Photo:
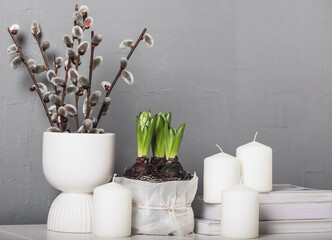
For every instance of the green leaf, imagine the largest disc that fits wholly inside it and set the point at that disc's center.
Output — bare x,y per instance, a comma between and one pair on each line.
177,141
169,118
158,141
139,136
148,136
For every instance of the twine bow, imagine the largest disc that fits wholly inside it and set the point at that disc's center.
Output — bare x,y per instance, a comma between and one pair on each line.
171,210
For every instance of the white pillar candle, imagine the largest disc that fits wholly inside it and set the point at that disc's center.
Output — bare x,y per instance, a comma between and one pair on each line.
256,165
112,207
221,171
239,212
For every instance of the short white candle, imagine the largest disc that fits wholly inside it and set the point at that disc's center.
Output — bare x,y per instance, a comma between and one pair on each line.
221,171
256,165
112,207
240,212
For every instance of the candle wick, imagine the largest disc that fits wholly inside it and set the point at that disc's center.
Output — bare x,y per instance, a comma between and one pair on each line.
219,148
255,136
114,177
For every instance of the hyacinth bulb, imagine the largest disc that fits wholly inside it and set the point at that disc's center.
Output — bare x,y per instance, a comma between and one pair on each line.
128,43
58,62
62,111
40,68
77,32
72,89
14,29
96,62
84,81
52,109
12,49
50,74
96,39
85,107
106,85
17,61
58,81
127,77
147,38
83,47
31,64
68,41
35,28
94,98
84,10
53,129
123,62
55,99
73,74
88,22
78,16
46,97
45,45
71,110
70,53
107,104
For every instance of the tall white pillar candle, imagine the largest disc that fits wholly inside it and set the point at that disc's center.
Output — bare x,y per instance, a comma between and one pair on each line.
239,212
256,165
221,171
112,207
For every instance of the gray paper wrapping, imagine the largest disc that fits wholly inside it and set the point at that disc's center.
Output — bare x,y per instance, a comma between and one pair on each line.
162,208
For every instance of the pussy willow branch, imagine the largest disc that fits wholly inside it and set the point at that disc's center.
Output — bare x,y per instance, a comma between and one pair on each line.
108,92
65,84
55,89
90,77
32,77
41,49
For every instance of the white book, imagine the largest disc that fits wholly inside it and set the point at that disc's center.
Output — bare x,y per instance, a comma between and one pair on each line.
212,228
285,202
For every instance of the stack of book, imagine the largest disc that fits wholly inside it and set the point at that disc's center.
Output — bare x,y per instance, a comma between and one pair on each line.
287,209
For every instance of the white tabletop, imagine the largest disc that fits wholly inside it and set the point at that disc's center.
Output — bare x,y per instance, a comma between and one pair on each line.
39,232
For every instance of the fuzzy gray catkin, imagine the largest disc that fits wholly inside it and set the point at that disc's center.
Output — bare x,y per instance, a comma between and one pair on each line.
17,61
96,39
71,109
84,81
12,49
58,81
40,68
96,62
50,74
58,62
45,45
127,77
35,27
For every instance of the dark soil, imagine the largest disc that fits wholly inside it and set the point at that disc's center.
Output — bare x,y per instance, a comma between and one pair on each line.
159,170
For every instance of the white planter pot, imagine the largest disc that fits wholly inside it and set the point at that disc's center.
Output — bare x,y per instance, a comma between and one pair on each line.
75,164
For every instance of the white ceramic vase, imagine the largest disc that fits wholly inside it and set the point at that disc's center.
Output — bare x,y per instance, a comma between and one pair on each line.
75,164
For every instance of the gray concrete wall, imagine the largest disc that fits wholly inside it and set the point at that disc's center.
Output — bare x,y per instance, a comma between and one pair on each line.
226,68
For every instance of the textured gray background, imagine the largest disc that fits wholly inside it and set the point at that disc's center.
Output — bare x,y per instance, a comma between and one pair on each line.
226,68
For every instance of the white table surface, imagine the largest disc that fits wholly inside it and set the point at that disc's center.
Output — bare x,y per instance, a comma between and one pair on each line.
39,232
